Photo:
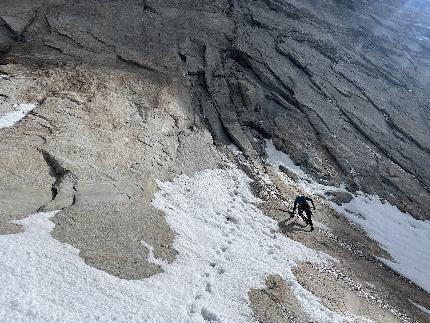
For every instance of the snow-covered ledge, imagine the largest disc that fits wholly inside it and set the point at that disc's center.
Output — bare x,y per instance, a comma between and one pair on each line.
20,111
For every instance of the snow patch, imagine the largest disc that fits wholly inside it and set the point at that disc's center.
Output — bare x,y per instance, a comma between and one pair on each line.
277,158
406,239
234,149
225,245
305,182
13,117
151,257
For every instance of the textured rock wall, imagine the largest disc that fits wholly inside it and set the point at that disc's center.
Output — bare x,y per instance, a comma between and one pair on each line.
94,147
341,86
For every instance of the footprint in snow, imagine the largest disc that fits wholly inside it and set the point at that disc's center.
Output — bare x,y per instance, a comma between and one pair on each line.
208,315
221,271
208,287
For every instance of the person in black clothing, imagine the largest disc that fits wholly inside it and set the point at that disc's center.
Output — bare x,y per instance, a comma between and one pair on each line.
302,203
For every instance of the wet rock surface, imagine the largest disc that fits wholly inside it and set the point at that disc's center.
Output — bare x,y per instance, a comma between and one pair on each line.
276,303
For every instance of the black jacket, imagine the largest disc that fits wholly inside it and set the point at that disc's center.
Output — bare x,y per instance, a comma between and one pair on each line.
302,202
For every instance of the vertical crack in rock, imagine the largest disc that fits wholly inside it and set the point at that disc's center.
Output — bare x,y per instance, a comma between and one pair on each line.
63,189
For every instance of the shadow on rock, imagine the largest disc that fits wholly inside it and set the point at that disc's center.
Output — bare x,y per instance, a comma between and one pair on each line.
290,225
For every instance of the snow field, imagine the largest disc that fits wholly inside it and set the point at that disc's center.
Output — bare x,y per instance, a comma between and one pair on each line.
240,247
225,245
13,117
406,239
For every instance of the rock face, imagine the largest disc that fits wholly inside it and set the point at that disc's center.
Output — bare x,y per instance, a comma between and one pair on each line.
341,86
94,147
128,92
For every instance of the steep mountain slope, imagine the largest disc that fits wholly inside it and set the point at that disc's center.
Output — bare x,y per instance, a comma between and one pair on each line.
335,84
140,130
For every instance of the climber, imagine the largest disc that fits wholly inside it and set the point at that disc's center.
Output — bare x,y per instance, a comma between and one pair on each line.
20,38
301,202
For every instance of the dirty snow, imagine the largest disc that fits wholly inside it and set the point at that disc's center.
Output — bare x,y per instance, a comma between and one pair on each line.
20,111
406,239
225,245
